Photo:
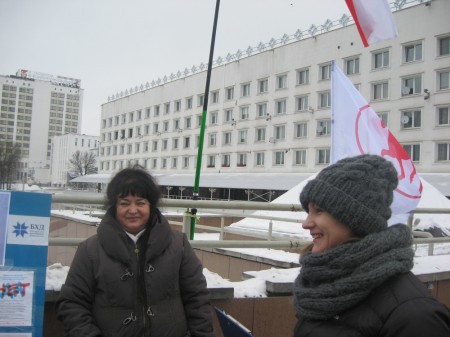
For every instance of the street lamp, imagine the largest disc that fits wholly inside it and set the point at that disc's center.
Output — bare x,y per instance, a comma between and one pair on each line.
212,190
181,192
169,188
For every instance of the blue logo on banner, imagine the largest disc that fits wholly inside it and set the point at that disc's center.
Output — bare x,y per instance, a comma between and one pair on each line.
20,229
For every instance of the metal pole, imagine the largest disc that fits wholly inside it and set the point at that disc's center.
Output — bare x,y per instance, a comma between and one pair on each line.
203,122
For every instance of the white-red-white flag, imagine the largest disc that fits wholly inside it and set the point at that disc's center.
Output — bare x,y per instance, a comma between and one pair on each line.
374,20
357,129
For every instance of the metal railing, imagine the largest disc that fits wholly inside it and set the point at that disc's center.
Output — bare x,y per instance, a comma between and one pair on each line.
238,209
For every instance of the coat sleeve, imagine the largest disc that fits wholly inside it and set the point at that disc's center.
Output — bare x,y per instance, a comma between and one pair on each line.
77,295
419,317
195,294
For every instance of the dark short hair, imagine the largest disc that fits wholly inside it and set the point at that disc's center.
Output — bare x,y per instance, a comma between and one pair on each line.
135,181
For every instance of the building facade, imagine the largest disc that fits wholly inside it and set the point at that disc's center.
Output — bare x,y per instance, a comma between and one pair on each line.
63,148
270,110
34,108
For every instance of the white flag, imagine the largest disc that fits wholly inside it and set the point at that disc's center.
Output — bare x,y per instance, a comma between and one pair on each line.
374,20
357,129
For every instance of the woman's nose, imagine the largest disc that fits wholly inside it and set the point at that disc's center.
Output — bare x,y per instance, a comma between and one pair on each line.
307,223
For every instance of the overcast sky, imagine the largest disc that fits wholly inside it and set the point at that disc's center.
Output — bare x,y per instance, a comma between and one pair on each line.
114,45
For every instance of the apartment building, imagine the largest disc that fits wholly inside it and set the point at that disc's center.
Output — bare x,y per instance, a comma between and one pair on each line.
63,148
269,106
34,108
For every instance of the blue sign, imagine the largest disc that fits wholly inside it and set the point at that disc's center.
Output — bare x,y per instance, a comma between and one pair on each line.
24,228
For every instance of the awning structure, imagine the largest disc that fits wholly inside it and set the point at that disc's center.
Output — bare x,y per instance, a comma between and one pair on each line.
263,181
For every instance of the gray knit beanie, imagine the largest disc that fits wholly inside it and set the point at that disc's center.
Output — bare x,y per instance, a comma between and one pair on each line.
358,191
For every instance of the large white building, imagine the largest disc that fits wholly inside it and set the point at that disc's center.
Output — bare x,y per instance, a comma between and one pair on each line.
34,108
269,106
63,148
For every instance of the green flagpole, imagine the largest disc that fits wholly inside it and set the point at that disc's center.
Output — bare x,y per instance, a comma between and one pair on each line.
203,122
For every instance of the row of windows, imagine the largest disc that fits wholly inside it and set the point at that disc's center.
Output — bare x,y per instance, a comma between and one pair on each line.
409,118
279,158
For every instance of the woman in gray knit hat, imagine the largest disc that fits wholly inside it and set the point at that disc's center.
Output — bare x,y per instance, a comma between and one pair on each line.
355,278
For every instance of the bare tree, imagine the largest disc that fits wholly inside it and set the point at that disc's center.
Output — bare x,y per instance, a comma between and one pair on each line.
9,163
82,163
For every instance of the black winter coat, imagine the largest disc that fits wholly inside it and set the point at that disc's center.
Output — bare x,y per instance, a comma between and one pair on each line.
401,307
118,288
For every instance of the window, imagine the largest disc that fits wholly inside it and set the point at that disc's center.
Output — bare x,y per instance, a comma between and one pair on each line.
413,150
241,159
155,145
229,93
323,127
380,91
186,142
166,126
263,85
352,66
245,90
301,103
227,138
215,96
412,52
300,157
301,130
177,105
443,79
124,118
175,143
303,76
281,81
155,128
200,100
225,160
444,46
259,158
279,158
154,163
443,116
166,108
279,132
280,106
156,111
185,162
188,104
384,117
243,136
212,139
176,125
147,115
261,110
322,156
324,99
165,143
211,161
228,115
411,85
174,162
443,151
380,59
214,118
243,112
325,71
187,122
411,119
260,134
164,163
131,117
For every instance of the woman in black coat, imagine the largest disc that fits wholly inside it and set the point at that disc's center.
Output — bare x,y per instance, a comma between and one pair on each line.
136,277
355,278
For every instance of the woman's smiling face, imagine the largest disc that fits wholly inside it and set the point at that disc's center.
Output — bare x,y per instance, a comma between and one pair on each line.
132,212
326,231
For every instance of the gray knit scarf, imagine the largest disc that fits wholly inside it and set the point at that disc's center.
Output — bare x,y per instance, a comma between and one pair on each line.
333,281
